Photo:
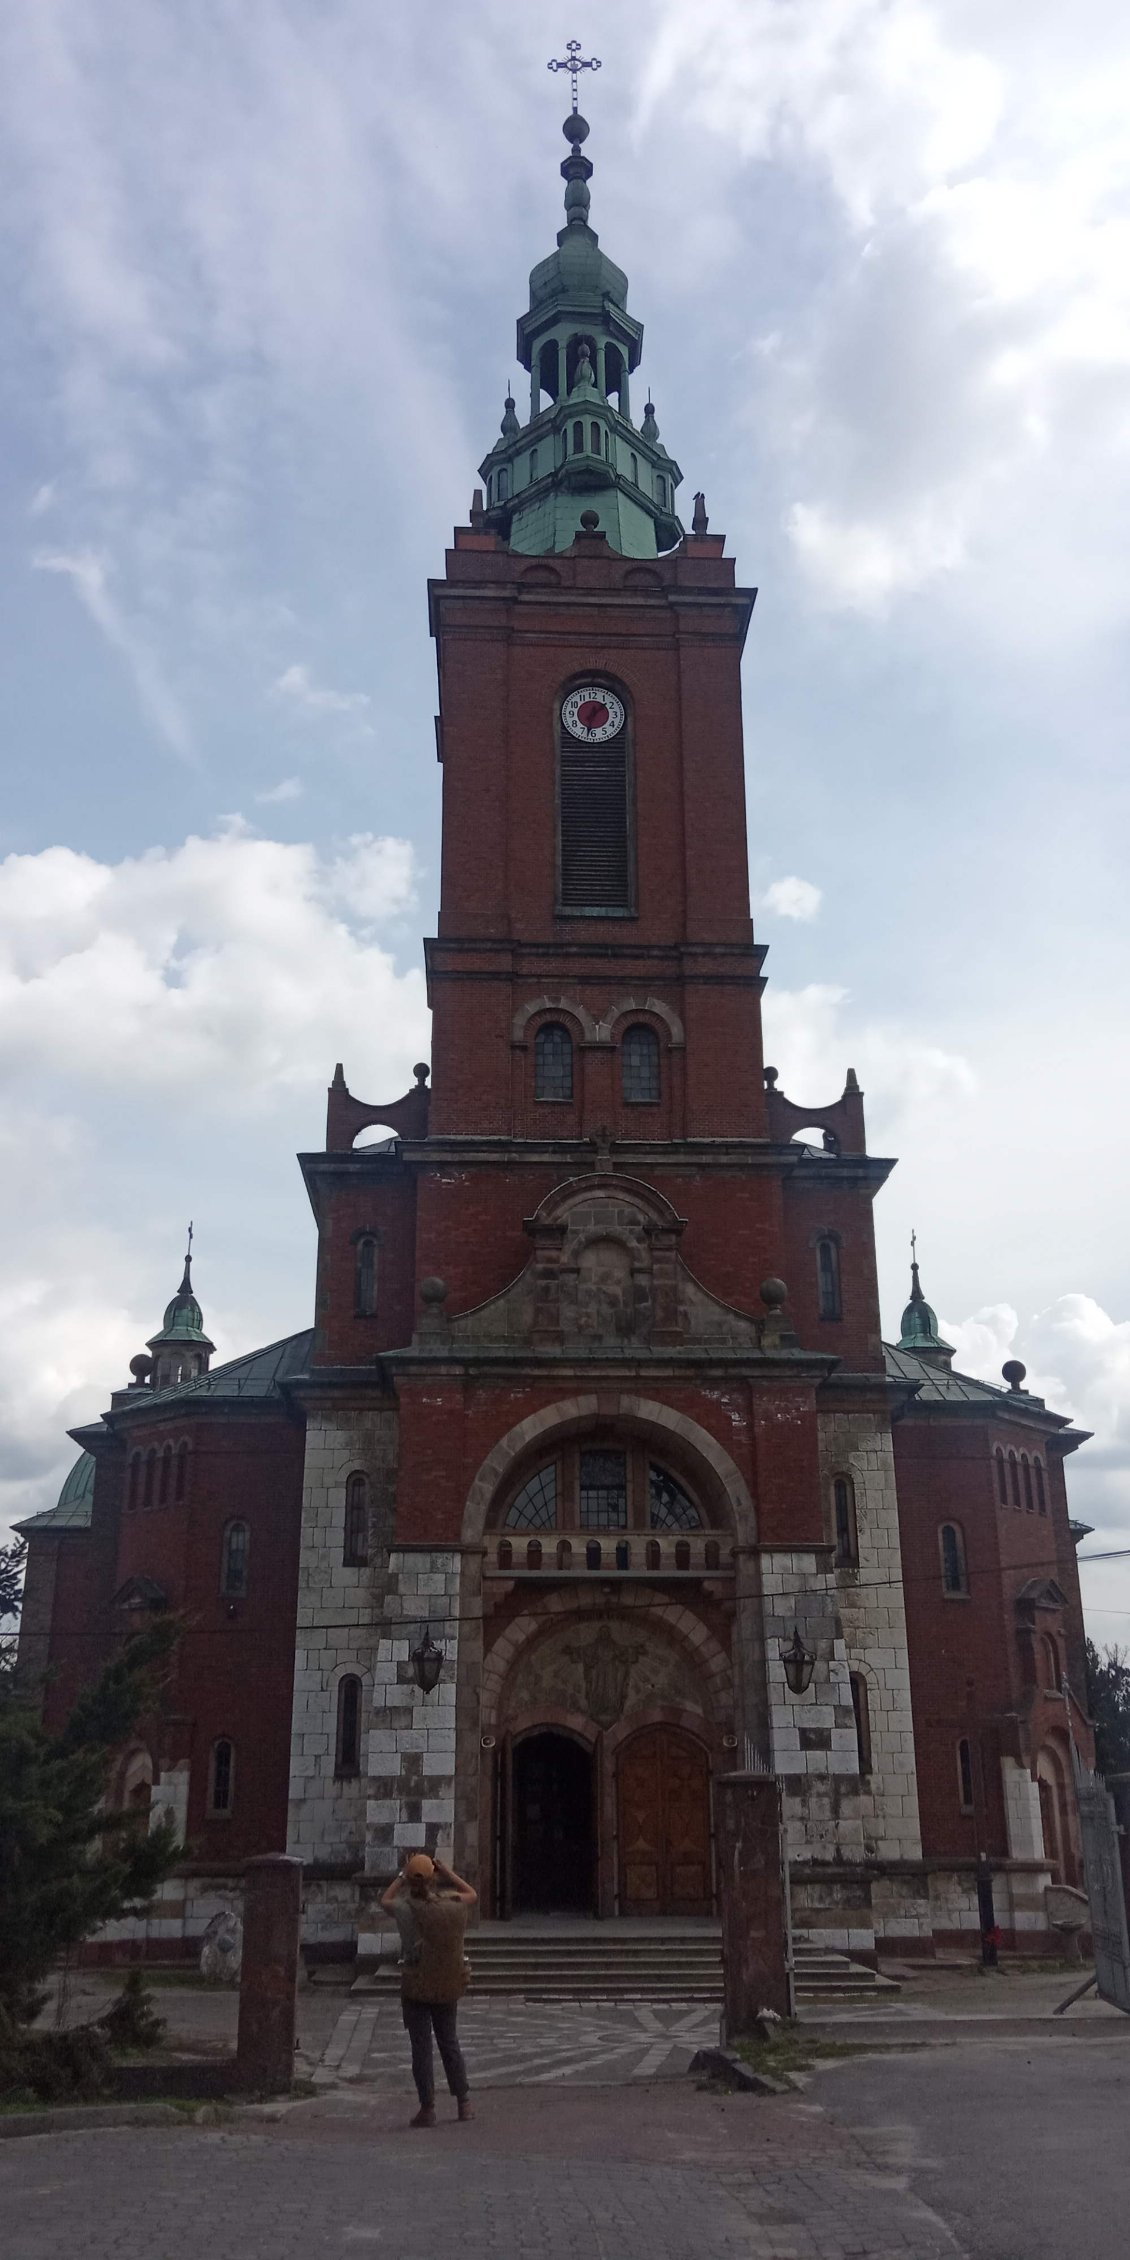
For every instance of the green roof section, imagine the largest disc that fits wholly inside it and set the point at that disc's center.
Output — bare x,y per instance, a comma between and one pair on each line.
582,452
937,1383
920,1321
73,1507
184,1319
249,1380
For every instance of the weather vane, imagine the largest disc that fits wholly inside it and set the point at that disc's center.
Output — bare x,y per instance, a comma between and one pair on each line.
573,63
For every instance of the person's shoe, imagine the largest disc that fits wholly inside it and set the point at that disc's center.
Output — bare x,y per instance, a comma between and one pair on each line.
425,2116
465,2111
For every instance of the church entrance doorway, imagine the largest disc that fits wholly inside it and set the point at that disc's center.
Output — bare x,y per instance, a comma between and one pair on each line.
553,1842
664,1824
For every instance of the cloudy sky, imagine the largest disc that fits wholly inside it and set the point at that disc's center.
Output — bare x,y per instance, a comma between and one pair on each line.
260,272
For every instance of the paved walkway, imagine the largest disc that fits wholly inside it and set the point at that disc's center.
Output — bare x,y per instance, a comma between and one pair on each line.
507,2042
659,2172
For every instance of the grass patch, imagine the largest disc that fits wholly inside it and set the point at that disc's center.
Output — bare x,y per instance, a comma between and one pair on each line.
791,2049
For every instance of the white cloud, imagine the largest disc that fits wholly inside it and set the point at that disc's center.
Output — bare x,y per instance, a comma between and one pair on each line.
949,394
809,1041
288,788
89,576
227,968
43,499
313,701
792,898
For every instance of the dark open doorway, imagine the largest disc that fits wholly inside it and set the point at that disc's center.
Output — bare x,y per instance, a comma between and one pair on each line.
554,1826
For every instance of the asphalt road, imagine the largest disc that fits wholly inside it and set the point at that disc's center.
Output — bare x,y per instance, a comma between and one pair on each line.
1021,2147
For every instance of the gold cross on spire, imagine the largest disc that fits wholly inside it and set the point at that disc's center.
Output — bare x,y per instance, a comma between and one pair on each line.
573,62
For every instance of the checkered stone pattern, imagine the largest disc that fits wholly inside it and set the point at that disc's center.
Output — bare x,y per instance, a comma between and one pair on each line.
873,1617
410,1748
533,2044
339,1609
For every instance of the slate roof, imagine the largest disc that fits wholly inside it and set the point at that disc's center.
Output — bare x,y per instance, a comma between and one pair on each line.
255,1377
939,1385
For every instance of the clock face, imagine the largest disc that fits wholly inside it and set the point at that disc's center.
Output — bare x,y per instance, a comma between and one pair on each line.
592,714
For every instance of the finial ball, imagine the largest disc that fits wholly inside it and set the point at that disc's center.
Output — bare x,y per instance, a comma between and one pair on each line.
141,1367
1014,1373
774,1293
576,128
590,520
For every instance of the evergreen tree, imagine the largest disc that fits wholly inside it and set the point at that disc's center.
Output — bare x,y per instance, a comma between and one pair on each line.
67,1864
1108,1700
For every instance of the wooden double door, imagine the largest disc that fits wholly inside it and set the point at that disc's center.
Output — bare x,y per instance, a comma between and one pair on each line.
663,1791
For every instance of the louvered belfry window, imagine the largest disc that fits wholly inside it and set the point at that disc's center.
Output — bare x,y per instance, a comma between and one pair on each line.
594,819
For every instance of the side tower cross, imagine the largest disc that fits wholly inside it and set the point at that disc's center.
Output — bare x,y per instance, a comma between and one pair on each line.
573,62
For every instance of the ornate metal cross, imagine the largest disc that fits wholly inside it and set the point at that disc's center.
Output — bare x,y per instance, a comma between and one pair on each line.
573,63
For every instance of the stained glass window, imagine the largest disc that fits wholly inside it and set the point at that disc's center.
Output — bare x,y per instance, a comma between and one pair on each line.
535,1507
553,1063
604,1491
639,1065
670,1507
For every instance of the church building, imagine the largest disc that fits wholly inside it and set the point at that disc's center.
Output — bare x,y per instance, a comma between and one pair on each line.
592,1478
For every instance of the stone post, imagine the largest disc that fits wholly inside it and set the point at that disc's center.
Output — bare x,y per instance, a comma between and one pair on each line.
753,1890
268,1986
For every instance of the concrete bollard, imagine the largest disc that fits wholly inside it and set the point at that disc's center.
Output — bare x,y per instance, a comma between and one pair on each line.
268,1986
753,1890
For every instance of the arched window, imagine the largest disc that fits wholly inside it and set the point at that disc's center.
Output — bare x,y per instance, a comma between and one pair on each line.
355,1551
490,489
669,1508
604,1490
594,832
134,1493
553,1063
1041,1494
951,1546
150,1475
594,437
347,1748
862,1710
1002,1479
505,1554
661,492
843,1516
593,1555
180,1488
682,1553
608,447
639,1067
564,1554
535,1507
1014,1478
828,1277
635,469
965,1776
234,1557
165,1486
578,439
365,1276
533,465
623,1554
221,1778
653,1554
1026,1473
533,1554
504,483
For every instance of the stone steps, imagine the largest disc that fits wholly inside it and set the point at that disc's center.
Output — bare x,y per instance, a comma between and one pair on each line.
683,1966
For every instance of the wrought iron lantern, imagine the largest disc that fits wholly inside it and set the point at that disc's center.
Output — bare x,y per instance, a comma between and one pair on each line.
799,1663
427,1662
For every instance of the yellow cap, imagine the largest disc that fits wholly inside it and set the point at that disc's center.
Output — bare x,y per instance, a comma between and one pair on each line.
419,1864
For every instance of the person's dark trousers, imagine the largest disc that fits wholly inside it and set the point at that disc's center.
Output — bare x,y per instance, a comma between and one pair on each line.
422,2018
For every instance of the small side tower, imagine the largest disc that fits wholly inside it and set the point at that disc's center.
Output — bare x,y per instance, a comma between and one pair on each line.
181,1350
920,1322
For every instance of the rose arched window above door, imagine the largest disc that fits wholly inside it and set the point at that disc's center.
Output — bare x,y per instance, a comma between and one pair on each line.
597,1485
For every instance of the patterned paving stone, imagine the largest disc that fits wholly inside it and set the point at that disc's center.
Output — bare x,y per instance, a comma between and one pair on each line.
508,2043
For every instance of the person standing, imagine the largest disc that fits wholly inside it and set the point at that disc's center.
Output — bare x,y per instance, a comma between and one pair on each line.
430,1905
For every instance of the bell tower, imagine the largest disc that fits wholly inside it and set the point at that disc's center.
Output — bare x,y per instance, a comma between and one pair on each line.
594,860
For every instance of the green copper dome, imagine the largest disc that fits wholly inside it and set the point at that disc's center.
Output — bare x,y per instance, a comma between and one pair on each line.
920,1323
184,1320
580,450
